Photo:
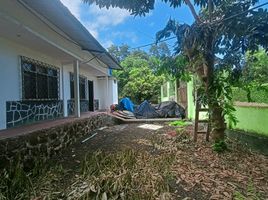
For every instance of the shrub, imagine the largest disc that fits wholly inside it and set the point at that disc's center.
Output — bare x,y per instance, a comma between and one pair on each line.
219,146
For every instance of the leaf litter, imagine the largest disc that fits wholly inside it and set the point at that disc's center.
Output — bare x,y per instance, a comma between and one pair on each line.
181,169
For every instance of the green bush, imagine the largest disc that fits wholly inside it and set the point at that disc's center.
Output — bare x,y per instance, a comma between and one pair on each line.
219,146
258,96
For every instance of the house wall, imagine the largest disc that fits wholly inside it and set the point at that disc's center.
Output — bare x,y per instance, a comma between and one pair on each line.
10,78
23,33
191,102
169,96
103,93
112,91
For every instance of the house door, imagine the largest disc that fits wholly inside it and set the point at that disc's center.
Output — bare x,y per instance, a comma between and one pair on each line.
182,94
91,96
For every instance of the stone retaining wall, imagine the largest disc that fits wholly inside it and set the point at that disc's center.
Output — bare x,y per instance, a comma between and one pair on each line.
42,144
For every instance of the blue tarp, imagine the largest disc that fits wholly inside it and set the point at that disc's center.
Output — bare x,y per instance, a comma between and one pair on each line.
126,104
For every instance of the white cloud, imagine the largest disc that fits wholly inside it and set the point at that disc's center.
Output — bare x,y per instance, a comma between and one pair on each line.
107,43
103,19
100,19
125,35
108,17
73,6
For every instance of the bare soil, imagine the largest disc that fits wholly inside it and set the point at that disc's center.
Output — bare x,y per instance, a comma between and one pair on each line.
197,172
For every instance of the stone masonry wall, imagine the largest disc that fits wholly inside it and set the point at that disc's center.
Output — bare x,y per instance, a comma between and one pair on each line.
42,144
26,112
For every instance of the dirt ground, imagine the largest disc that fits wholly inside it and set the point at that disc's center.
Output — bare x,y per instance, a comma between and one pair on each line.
194,170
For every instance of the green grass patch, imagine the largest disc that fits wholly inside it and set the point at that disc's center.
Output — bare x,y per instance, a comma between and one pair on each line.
179,123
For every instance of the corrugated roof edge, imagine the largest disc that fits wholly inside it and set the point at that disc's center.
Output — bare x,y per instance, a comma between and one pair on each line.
96,41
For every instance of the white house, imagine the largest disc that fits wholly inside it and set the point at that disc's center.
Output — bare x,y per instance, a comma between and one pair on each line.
50,65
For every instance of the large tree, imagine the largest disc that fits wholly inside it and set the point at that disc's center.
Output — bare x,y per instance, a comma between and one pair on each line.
137,80
226,29
160,50
119,52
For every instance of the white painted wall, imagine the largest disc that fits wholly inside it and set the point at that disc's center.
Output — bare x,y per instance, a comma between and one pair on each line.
113,91
110,96
10,78
102,93
47,45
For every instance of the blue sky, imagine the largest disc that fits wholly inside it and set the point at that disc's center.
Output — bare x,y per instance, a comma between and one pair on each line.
117,26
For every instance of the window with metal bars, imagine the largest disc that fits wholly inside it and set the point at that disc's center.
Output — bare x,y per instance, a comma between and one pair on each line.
40,81
82,86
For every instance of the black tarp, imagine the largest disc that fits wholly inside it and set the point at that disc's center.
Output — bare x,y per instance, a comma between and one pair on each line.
145,111
168,109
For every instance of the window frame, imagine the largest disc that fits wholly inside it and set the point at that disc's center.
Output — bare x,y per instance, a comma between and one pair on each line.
51,73
81,77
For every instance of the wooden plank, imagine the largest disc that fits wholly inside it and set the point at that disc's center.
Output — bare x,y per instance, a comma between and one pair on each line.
196,120
203,121
202,132
203,109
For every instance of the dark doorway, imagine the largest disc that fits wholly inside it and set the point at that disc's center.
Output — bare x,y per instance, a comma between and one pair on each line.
90,96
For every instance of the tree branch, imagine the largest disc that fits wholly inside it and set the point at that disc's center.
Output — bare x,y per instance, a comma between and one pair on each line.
210,8
190,5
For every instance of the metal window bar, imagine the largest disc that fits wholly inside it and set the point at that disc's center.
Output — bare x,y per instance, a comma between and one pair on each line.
40,81
82,86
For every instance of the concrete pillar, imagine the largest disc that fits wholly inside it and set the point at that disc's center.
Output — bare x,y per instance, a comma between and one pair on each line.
107,93
76,89
63,92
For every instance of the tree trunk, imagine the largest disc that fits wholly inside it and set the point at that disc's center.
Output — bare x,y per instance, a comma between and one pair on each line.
217,120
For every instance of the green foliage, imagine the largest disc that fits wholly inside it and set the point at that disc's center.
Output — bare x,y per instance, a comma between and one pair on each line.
252,78
119,52
160,50
142,85
227,28
256,67
174,68
138,7
137,80
179,123
258,95
219,146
